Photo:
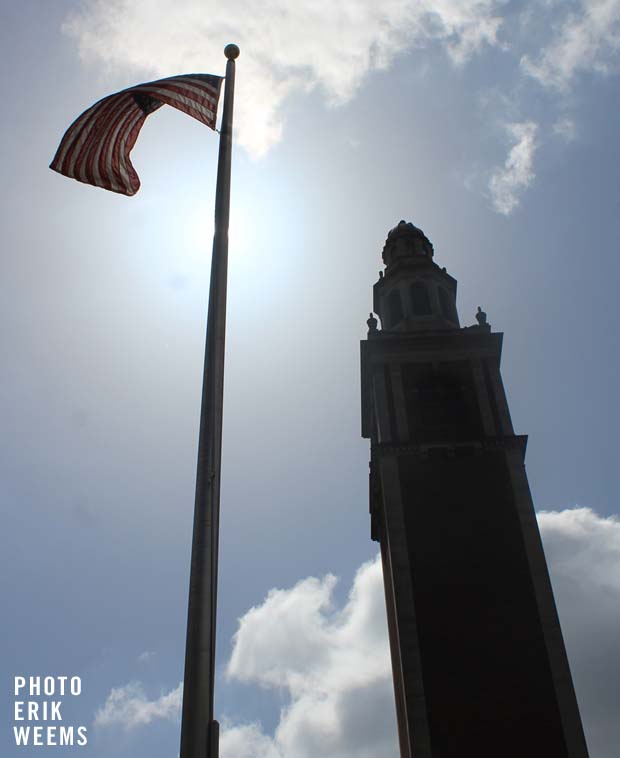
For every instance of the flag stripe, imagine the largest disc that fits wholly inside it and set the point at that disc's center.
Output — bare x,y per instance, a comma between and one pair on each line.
190,88
184,101
189,84
96,147
83,135
111,129
105,164
73,133
101,168
79,159
88,158
125,172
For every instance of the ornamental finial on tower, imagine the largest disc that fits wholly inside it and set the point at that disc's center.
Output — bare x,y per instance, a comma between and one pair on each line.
406,240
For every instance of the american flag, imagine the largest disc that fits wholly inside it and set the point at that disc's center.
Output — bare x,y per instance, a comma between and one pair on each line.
95,148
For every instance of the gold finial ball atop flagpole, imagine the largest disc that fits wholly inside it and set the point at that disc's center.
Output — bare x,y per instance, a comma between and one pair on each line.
231,52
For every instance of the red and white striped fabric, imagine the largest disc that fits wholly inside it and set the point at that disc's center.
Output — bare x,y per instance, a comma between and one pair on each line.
95,148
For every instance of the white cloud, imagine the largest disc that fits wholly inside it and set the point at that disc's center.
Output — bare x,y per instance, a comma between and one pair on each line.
582,547
508,182
129,707
333,663
246,741
285,47
588,40
583,553
146,656
566,129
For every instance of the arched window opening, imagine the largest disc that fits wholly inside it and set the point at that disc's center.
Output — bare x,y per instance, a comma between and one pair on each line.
420,300
395,307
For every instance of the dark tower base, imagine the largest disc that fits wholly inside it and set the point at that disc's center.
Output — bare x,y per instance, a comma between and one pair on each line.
478,658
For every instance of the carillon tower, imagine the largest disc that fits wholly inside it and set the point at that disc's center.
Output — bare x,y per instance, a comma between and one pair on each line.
479,665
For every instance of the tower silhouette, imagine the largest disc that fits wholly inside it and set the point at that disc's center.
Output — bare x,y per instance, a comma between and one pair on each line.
478,658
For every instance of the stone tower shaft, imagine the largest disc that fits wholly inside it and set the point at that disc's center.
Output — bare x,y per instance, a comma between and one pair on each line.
478,658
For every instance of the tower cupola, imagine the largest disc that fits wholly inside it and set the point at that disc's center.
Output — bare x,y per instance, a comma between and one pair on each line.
406,240
413,293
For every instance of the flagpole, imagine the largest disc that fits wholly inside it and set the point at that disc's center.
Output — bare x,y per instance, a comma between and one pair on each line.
199,730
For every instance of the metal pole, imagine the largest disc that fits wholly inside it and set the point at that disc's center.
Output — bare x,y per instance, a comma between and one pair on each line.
199,730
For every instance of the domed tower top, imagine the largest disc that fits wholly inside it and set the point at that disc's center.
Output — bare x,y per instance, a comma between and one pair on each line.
413,293
406,240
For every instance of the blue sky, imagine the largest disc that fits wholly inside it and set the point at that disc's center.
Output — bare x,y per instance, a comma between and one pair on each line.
492,126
